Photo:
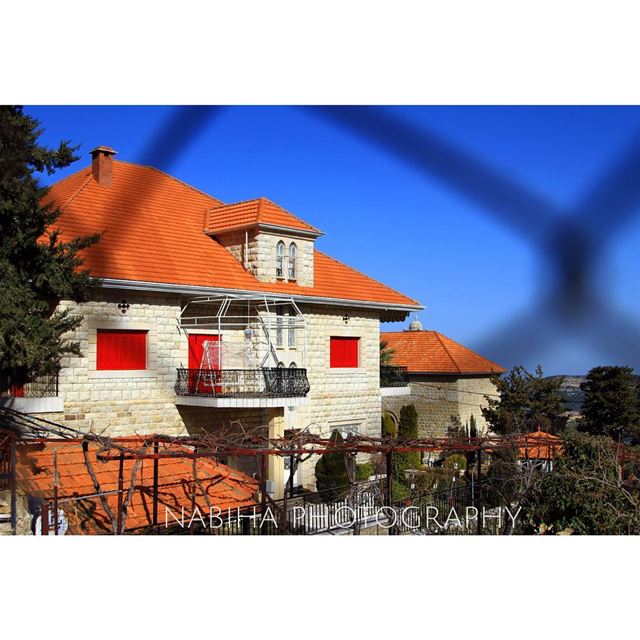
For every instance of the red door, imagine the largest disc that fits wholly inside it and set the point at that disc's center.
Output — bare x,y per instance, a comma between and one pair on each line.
200,380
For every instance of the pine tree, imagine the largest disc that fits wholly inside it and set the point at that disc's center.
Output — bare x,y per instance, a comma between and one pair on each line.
611,404
528,401
331,469
407,430
37,269
388,426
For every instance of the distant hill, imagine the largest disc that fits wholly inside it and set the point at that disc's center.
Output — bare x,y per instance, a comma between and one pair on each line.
570,389
573,395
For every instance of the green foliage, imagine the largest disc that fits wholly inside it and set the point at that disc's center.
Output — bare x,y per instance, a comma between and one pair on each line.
364,471
528,401
407,430
331,469
473,427
587,492
611,404
386,353
388,426
37,269
400,491
453,460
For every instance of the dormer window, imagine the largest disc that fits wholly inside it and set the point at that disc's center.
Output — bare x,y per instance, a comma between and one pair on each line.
293,253
280,260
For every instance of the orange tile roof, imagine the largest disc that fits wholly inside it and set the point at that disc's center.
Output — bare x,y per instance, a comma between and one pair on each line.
225,487
153,231
540,445
432,352
225,217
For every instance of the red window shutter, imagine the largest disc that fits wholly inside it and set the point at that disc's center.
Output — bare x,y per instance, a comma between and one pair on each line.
343,352
121,349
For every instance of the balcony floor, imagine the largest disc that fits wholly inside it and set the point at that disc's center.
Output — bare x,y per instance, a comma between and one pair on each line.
395,391
240,403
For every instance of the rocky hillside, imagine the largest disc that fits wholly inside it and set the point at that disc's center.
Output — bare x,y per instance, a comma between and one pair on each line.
572,393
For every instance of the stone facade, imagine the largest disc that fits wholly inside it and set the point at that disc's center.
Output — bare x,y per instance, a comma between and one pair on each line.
437,398
257,251
23,516
126,402
339,398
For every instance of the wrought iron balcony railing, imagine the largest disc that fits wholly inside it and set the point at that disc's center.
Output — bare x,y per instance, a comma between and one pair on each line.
391,376
243,383
41,387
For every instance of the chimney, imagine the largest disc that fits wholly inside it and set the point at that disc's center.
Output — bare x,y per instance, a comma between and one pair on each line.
102,164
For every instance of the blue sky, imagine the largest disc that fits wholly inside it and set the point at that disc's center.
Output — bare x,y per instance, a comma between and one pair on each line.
393,220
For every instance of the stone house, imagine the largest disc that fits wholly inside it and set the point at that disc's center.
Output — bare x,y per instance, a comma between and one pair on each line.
446,382
210,314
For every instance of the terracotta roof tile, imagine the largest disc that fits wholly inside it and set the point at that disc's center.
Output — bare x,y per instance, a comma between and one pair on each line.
225,217
540,445
432,352
152,230
225,487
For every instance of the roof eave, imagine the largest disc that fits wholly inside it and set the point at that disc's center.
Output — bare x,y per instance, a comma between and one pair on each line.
273,228
182,289
457,373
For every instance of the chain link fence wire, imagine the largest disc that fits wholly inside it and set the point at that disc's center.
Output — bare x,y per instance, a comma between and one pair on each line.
570,243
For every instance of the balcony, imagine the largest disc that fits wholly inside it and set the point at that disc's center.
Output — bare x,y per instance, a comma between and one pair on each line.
38,396
394,381
264,387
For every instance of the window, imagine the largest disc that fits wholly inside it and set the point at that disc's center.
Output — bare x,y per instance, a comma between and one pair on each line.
293,365
347,430
121,349
343,352
292,332
280,327
280,260
293,253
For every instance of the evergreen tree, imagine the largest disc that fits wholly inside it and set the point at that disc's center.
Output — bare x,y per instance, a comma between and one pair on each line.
388,426
473,427
611,404
37,268
407,430
527,401
331,469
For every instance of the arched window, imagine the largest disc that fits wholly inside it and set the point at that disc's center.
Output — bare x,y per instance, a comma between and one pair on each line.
293,253
280,260
293,365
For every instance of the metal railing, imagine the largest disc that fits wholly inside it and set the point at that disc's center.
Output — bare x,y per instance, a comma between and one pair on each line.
41,387
392,376
275,382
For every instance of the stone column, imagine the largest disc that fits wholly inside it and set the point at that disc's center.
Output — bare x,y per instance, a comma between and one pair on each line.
276,463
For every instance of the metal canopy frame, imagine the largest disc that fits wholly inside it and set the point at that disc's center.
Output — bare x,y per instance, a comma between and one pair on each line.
261,317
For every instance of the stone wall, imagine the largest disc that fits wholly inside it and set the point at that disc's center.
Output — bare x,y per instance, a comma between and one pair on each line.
339,397
125,402
438,398
258,252
23,517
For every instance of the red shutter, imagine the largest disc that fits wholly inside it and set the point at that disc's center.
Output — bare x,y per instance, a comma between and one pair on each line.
344,352
121,349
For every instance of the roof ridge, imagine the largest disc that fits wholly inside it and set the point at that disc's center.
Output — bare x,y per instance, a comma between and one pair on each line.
475,353
364,275
293,215
77,192
168,175
444,346
259,213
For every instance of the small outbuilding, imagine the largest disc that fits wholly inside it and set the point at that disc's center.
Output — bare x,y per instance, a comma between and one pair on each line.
448,383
